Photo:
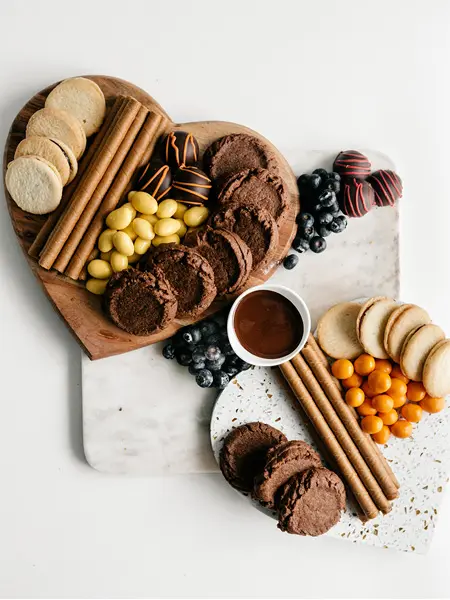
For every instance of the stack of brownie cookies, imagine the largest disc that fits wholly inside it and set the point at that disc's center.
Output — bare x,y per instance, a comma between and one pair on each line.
286,476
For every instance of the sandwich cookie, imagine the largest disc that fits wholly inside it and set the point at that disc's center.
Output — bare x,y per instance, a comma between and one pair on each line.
402,321
58,125
54,151
371,323
34,184
436,371
418,345
311,503
228,255
244,451
285,461
336,331
83,99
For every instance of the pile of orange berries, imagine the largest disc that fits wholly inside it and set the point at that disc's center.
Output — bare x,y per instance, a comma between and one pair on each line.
387,401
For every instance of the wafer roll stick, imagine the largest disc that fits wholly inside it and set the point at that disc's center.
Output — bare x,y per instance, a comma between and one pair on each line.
89,182
138,156
367,450
329,439
52,219
342,436
89,212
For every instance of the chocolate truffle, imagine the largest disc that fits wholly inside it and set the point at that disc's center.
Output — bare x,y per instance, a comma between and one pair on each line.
351,163
180,148
156,182
191,185
387,187
356,198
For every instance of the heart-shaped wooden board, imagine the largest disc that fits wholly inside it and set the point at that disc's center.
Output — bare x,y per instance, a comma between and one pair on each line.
81,310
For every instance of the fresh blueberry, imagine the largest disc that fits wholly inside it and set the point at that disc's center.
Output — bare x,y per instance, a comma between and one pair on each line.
178,340
192,335
231,371
317,244
305,219
314,181
227,348
306,232
290,261
215,365
220,380
325,218
334,209
323,231
243,365
169,351
303,181
183,358
204,378
327,198
334,175
331,184
208,328
198,354
234,361
214,338
213,352
300,244
338,224
322,173
194,368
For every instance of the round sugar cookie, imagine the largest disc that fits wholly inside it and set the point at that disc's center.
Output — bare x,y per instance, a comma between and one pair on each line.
402,321
371,324
436,371
418,345
54,151
336,331
58,125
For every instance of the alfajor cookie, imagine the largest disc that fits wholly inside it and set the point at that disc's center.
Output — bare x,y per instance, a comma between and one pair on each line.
34,184
371,323
416,348
54,151
58,125
336,331
436,371
402,321
83,99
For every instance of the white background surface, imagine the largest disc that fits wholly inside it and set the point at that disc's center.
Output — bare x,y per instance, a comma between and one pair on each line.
306,74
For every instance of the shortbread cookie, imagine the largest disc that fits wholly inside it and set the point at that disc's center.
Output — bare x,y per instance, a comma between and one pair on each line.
34,184
58,125
83,99
402,321
436,371
54,151
336,331
371,323
418,345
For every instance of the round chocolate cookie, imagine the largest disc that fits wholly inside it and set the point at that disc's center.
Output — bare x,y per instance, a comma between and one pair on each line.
140,303
189,274
255,226
228,255
244,453
234,153
311,502
257,187
284,462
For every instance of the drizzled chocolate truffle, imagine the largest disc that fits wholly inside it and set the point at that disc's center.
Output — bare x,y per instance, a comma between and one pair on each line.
191,186
357,198
387,186
156,182
180,148
351,163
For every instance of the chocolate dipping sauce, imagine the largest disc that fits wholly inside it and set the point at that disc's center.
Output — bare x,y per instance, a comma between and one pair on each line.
268,325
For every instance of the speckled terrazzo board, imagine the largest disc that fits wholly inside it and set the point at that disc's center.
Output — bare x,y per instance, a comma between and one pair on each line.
421,462
145,415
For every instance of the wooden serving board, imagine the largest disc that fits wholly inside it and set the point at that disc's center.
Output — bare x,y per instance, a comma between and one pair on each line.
81,310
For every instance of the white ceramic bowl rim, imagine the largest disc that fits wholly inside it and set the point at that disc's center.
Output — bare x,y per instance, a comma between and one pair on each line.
299,304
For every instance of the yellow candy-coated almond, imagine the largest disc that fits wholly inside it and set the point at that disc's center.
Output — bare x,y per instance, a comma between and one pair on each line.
119,218
130,195
119,262
182,230
134,258
96,286
105,243
144,203
195,216
100,269
143,229
165,227
152,219
141,246
130,232
169,239
130,207
181,209
106,255
122,243
166,209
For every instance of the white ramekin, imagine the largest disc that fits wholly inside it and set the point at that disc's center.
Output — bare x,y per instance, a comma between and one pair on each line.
257,360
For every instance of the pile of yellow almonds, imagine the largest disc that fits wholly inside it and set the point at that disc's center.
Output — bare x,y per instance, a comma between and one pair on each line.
133,228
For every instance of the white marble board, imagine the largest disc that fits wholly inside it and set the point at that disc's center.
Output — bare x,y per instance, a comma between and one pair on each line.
145,415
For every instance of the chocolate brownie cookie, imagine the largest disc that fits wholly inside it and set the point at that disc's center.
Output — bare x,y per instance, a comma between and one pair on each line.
236,152
189,274
140,303
228,255
257,187
311,502
255,226
244,453
284,462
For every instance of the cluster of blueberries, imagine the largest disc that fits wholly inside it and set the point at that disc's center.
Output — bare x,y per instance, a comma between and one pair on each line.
204,348
320,215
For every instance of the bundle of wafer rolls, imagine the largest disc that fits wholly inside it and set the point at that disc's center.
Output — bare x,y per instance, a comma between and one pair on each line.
361,463
123,145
